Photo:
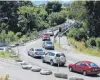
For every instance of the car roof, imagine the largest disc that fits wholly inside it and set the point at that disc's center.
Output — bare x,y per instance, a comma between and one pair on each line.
49,30
45,34
56,52
37,48
86,61
48,41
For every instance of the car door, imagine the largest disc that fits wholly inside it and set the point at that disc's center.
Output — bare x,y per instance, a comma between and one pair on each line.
46,57
83,66
77,67
43,44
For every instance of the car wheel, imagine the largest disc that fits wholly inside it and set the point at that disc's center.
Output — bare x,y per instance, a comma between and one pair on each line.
51,62
62,64
70,69
28,54
42,39
43,60
84,73
33,56
52,48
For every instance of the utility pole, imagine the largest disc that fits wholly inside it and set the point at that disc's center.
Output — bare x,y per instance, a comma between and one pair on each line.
59,41
59,35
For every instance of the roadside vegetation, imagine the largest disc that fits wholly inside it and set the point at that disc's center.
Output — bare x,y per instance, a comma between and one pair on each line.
8,55
20,21
6,77
81,46
23,19
86,38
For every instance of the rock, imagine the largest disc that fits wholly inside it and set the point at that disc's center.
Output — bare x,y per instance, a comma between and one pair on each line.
45,72
61,75
75,78
35,69
22,63
18,60
26,66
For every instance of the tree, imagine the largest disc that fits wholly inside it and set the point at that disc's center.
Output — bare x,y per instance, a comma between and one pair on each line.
76,10
56,19
22,24
93,18
53,7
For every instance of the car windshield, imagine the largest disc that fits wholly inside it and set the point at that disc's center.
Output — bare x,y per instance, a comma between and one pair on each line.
38,49
49,42
49,31
60,54
92,64
46,35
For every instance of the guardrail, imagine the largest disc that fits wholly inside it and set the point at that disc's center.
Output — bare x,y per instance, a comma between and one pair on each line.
67,28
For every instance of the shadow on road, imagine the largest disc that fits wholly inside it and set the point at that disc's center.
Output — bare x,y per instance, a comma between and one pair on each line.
87,75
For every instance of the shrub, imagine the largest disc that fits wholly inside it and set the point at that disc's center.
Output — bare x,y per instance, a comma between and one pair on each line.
91,42
77,33
98,42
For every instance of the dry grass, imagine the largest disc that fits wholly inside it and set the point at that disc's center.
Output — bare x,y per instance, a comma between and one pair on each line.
7,55
4,77
80,46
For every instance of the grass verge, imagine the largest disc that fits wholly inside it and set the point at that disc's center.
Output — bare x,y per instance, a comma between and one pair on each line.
6,77
8,55
80,46
59,47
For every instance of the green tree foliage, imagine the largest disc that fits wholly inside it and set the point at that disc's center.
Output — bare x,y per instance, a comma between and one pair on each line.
77,33
53,7
56,18
91,42
76,10
22,24
93,18
24,17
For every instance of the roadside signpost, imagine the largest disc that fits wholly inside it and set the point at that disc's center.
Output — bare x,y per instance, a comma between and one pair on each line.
58,62
60,30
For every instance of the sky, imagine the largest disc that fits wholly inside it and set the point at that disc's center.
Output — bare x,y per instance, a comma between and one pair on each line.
37,2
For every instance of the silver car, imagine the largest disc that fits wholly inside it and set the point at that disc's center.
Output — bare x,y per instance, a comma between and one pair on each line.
35,52
54,58
48,45
50,32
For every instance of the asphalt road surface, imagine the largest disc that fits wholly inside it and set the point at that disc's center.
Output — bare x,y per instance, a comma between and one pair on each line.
37,62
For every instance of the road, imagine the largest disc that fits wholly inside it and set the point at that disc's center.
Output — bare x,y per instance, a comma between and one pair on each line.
17,73
38,44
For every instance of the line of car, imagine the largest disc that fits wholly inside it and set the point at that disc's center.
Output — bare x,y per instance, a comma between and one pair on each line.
55,57
50,56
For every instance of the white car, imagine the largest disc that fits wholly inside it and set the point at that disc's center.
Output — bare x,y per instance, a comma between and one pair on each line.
50,32
35,52
4,48
54,57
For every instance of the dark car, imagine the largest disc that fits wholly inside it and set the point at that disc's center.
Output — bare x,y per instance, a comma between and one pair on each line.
45,37
48,45
85,67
